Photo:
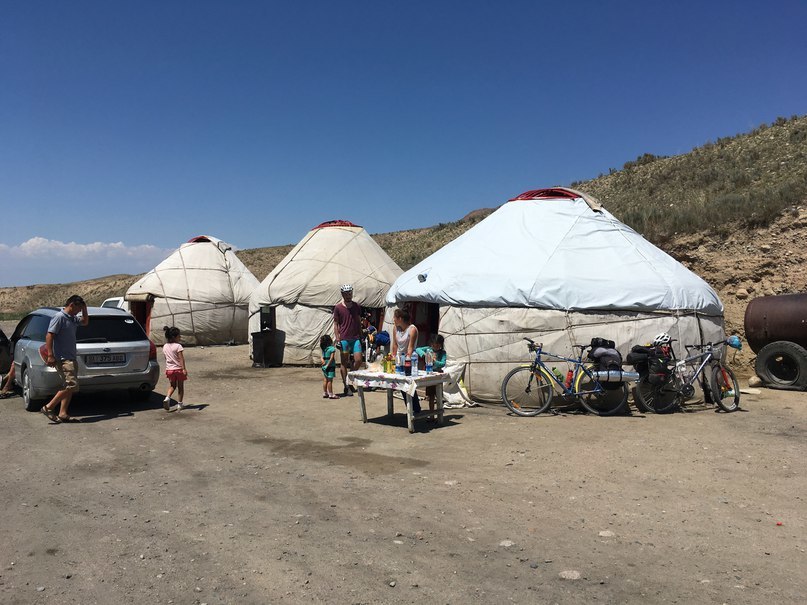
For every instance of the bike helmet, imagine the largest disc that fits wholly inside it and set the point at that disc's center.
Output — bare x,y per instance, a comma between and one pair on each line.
346,288
734,342
661,339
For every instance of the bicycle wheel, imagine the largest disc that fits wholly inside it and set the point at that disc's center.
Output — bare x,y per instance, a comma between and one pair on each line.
725,388
603,400
658,398
527,393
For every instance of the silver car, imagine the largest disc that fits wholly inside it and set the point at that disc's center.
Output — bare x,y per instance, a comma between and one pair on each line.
113,353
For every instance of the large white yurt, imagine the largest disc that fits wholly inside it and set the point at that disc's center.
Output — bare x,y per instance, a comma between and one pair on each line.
203,289
555,266
293,306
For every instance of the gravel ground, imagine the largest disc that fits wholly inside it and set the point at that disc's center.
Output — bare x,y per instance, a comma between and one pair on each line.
264,492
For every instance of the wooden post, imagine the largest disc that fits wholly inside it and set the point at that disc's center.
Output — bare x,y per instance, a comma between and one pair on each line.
361,403
440,403
410,421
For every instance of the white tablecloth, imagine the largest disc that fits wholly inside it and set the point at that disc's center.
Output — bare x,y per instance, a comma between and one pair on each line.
397,382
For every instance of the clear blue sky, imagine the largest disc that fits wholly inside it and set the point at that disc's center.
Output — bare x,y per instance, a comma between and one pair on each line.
128,127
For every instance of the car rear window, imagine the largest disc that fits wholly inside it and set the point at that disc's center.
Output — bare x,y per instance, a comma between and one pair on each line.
110,329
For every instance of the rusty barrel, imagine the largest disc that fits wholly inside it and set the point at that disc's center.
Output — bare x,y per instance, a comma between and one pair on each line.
772,318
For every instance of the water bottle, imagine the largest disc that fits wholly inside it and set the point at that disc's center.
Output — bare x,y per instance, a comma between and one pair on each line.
399,364
569,376
557,374
415,368
429,361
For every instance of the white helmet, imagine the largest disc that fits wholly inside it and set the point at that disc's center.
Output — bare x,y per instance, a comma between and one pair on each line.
347,288
661,339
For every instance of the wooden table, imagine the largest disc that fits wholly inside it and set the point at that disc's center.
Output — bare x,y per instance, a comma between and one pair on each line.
362,379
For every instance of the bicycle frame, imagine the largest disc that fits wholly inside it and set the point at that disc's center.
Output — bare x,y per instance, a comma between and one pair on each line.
578,364
707,355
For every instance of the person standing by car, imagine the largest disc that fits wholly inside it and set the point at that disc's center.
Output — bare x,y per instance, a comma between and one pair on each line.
60,347
347,325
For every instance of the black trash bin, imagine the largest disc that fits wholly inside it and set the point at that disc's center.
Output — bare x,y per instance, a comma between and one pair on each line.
258,344
267,349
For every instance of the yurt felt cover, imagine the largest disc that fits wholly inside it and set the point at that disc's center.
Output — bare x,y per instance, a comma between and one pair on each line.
203,289
305,286
554,266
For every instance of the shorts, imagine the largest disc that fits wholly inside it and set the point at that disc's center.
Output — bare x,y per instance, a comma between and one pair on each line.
176,375
351,346
329,372
66,368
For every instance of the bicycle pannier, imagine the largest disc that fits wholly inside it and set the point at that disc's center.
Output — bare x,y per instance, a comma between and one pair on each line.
597,342
606,358
657,366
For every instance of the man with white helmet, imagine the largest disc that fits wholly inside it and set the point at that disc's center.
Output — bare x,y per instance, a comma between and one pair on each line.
347,327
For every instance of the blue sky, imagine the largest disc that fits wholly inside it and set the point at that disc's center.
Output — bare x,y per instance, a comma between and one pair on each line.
127,128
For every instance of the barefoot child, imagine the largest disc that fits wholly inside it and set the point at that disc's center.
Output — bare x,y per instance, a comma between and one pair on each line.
174,368
328,366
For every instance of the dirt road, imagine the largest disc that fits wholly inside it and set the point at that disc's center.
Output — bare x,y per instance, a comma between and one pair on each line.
264,492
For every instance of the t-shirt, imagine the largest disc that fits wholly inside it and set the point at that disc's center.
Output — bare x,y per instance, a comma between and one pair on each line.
439,356
171,350
348,321
63,327
328,352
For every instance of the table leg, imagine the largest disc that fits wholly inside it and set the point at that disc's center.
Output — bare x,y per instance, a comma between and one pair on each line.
361,403
389,402
440,403
410,421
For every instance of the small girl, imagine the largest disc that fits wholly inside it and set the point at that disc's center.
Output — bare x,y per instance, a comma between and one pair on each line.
328,366
174,368
435,348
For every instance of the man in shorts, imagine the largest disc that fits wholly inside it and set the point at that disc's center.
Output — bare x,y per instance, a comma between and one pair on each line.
60,347
347,325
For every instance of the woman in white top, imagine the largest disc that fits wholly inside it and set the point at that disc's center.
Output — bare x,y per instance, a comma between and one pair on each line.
406,339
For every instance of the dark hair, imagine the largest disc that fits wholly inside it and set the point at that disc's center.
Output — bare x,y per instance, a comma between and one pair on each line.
403,314
171,333
436,339
74,300
325,341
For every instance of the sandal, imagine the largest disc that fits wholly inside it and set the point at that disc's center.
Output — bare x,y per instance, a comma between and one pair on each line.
6,395
68,419
51,415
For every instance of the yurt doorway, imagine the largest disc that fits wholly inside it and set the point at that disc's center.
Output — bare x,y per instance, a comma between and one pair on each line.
140,308
426,317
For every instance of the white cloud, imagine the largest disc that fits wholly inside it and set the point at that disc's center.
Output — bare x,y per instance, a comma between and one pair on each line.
41,260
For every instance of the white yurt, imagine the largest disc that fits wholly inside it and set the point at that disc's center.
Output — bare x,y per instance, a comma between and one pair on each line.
555,266
202,288
293,306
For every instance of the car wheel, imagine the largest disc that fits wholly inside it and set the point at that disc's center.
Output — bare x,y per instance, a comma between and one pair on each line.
31,404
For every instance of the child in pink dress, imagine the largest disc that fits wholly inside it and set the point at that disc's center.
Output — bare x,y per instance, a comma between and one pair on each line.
174,368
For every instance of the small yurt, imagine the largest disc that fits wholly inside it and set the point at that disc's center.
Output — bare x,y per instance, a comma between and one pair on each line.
555,266
202,288
293,306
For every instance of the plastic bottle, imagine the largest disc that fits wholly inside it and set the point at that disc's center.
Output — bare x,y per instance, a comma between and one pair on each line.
429,362
399,363
407,366
415,368
557,374
569,376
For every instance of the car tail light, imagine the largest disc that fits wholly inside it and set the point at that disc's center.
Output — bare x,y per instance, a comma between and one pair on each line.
43,353
152,351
